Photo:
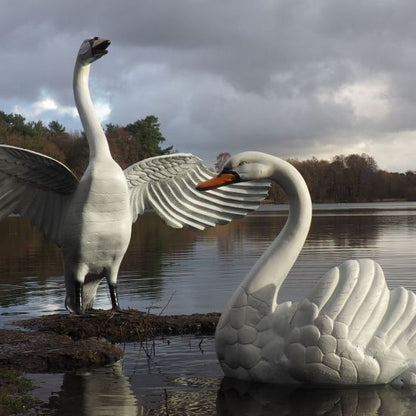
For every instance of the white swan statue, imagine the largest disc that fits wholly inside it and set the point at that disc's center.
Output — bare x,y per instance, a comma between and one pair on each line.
350,330
91,219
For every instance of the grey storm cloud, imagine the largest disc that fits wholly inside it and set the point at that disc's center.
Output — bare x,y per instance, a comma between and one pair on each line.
293,78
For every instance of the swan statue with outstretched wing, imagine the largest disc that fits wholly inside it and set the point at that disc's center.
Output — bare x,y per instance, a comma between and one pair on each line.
350,330
91,219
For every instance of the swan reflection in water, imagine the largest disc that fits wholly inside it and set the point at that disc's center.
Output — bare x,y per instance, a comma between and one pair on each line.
107,391
100,392
241,398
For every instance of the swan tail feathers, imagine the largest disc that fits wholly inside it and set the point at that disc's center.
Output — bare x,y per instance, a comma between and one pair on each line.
89,293
362,334
397,330
322,353
354,294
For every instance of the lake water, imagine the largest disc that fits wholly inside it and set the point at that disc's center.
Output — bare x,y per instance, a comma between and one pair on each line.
183,272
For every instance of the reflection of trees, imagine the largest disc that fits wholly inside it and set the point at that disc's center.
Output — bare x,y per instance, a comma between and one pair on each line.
245,399
232,237
155,247
25,252
337,230
152,241
152,244
345,230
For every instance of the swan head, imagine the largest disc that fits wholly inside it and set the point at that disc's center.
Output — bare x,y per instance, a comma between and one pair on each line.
92,49
242,167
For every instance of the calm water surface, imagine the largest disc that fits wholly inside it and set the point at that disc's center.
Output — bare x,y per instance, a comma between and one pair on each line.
180,271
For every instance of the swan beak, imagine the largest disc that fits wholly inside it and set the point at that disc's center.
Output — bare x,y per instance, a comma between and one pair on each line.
221,180
99,46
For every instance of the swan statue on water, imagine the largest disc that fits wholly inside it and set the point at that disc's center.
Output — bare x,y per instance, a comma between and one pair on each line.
91,219
350,330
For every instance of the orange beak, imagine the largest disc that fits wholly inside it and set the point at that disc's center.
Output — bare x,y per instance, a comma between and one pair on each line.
221,180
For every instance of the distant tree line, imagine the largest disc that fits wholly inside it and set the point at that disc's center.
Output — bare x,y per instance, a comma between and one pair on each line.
352,178
128,144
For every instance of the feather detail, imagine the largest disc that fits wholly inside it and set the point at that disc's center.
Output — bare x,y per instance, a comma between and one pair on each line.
34,186
167,185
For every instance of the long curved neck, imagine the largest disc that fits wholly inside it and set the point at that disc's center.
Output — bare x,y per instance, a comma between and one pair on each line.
97,141
271,269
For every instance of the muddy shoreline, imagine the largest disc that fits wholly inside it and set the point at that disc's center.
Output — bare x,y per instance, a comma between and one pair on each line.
57,343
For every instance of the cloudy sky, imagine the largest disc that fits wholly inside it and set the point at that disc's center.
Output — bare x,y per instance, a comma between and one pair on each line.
293,78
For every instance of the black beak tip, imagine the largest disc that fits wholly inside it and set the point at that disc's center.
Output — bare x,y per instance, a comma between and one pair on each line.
100,45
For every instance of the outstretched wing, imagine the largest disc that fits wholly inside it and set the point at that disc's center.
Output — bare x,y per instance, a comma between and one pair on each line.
353,329
167,184
34,186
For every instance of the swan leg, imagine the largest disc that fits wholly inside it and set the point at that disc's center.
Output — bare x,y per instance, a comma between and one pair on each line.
112,286
114,301
78,307
74,281
115,305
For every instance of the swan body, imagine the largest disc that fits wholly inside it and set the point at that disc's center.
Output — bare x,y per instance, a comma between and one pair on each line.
91,219
350,330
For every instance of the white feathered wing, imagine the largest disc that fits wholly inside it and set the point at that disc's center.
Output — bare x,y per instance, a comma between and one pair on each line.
35,186
39,187
353,330
166,184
